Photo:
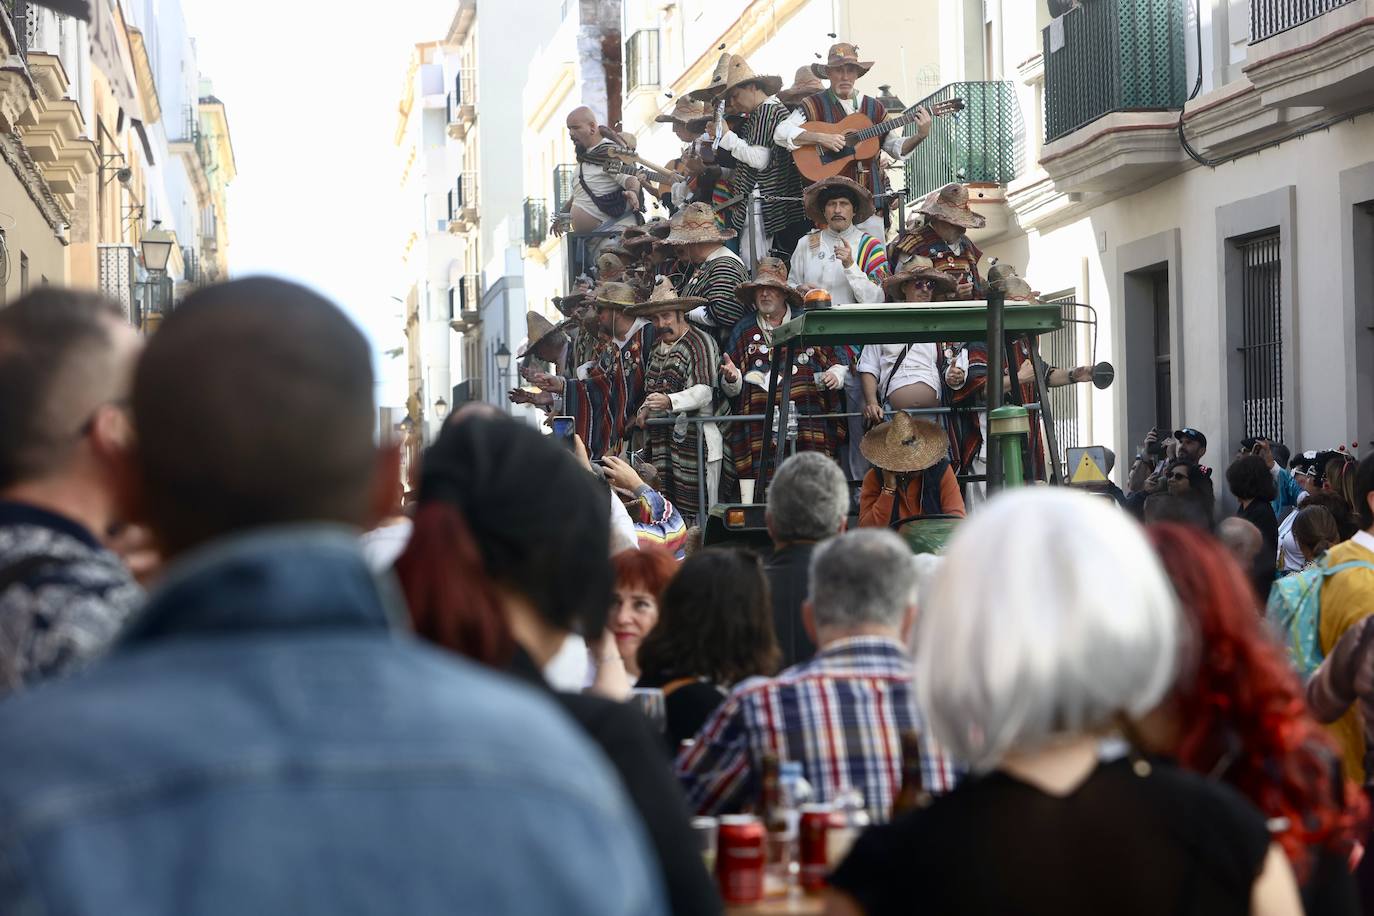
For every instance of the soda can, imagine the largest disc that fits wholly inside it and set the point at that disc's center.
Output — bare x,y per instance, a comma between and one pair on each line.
815,865
740,858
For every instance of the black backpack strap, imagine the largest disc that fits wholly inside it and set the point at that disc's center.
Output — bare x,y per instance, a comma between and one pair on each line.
21,569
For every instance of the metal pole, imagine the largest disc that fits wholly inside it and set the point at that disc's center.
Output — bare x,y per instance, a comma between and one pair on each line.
784,406
769,411
996,302
1045,415
702,508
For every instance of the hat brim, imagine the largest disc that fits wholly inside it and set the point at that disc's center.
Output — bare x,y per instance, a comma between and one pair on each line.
793,95
892,286
822,71
769,84
834,187
965,218
744,293
930,445
709,94
530,347
681,304
717,235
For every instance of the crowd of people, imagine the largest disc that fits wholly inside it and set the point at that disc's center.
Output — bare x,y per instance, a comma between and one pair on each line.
220,696
670,331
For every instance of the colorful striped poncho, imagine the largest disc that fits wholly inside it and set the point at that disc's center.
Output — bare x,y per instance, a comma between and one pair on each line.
691,360
716,280
604,403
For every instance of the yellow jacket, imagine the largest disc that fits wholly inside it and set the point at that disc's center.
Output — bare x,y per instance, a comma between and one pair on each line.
1347,598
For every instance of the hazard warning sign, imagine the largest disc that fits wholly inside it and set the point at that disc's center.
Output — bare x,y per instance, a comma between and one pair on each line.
1087,466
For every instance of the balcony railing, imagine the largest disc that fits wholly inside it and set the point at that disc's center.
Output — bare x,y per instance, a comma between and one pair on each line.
1270,17
564,177
469,293
536,221
984,142
17,11
1113,55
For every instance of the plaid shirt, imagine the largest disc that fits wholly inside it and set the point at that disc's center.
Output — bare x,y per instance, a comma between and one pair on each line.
841,714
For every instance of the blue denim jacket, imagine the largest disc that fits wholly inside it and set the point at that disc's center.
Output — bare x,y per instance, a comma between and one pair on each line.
265,740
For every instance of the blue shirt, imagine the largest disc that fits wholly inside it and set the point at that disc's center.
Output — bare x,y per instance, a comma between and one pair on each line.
265,740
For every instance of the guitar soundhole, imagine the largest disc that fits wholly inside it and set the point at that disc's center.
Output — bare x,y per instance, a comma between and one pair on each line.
827,156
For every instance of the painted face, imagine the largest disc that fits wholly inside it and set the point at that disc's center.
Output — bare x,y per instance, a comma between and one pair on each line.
839,214
633,614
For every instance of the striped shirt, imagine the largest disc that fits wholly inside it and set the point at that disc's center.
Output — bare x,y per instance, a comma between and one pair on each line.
777,179
716,281
657,522
841,714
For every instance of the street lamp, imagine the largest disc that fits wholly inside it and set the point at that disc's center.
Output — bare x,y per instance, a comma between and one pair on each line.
503,358
441,408
157,244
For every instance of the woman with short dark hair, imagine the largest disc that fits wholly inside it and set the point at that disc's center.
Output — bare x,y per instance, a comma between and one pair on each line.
715,628
1253,485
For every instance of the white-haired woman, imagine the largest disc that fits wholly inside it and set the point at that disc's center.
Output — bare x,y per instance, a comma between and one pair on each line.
1031,676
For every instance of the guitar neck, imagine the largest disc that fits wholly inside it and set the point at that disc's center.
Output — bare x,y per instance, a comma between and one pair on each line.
887,126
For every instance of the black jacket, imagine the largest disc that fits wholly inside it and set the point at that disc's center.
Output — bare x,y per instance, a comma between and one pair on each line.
787,571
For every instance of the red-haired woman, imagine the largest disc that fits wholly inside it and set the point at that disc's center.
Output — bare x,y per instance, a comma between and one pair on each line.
1239,716
640,578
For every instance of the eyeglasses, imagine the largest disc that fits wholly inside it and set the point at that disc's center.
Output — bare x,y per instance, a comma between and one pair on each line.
1183,477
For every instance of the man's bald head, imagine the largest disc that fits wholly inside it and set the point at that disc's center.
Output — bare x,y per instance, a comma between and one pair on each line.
1242,539
63,354
253,407
582,126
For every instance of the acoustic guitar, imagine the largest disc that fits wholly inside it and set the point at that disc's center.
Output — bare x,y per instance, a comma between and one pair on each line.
863,139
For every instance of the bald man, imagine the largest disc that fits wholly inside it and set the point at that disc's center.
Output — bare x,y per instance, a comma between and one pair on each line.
66,366
601,200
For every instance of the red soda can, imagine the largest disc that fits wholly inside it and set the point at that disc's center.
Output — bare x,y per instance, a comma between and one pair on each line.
740,858
815,823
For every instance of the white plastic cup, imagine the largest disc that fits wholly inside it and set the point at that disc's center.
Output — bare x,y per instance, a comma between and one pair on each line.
746,491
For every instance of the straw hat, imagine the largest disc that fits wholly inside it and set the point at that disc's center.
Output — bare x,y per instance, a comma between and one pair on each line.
614,295
664,299
841,53
569,303
950,204
696,223
739,73
537,328
815,197
917,268
904,445
772,273
658,228
609,266
685,110
804,84
717,83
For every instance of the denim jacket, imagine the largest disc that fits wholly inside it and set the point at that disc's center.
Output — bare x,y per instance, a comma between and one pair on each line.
265,740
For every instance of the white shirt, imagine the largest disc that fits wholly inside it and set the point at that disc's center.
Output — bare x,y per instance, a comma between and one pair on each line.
756,156
816,264
601,182
788,131
917,366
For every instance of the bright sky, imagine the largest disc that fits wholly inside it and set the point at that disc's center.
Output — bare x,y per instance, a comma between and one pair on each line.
311,91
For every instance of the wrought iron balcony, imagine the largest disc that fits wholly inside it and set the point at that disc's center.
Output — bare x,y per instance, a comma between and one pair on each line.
536,221
17,12
1270,17
1113,55
982,143
564,177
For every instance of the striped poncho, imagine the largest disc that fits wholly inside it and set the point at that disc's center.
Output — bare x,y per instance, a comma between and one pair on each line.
603,403
689,361
778,179
716,281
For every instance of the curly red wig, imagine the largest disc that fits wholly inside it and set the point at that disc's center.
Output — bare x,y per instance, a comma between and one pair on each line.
1241,711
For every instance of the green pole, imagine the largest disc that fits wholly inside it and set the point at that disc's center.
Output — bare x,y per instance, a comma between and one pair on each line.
1010,426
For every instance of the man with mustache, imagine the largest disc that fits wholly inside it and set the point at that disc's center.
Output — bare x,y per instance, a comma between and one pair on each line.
679,381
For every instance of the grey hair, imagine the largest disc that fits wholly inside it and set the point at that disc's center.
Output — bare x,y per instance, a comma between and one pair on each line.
863,577
1052,616
808,499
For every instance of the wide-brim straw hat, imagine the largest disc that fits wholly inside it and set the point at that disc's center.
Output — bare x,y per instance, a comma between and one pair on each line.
840,54
685,110
950,204
770,273
904,444
716,85
917,268
537,328
615,295
815,197
804,85
739,73
697,223
664,298
569,303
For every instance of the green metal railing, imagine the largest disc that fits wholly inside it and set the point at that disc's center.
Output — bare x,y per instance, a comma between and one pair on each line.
1113,55
1270,17
984,142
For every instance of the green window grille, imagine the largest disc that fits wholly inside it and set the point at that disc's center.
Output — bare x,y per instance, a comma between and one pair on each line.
1270,17
563,178
536,221
1113,55
982,143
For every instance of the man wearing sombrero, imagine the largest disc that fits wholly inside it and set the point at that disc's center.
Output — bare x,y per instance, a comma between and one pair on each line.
546,342
679,381
849,265
817,375
843,68
606,393
943,238
759,162
911,476
718,271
